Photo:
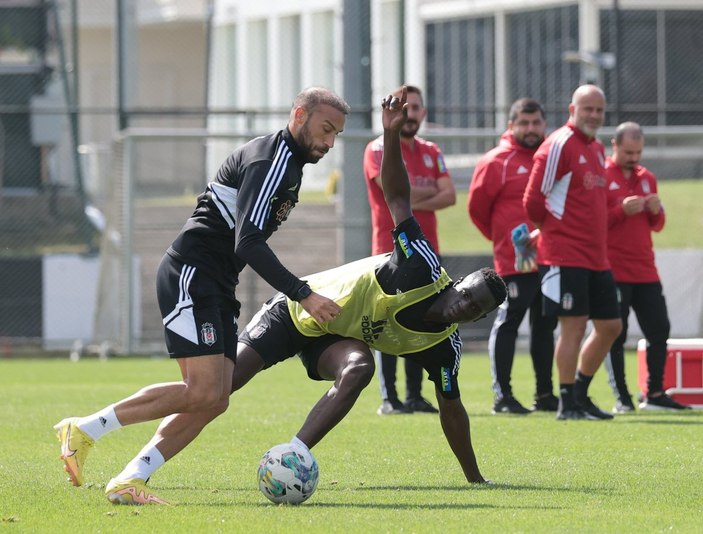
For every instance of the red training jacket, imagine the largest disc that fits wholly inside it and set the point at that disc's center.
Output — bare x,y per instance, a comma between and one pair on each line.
630,249
495,197
424,163
566,198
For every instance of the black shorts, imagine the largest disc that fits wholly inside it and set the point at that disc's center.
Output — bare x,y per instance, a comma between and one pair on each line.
573,291
199,316
272,334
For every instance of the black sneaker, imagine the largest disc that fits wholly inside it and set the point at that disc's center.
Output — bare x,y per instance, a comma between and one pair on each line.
420,405
509,405
593,412
546,403
571,413
662,402
624,405
394,407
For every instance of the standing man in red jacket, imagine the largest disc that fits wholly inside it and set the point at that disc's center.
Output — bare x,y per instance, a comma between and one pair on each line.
431,189
566,199
495,206
634,212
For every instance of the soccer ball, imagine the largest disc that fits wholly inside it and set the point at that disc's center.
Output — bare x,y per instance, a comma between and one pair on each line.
288,474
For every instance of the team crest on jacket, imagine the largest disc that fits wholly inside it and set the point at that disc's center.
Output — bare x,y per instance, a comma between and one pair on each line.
427,160
207,334
283,211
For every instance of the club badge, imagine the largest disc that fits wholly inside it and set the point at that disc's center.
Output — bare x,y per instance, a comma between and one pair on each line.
207,333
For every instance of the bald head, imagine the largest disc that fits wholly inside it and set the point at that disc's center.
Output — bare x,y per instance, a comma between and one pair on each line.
587,109
631,130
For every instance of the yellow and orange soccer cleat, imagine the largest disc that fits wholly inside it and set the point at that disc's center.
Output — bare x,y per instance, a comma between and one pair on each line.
133,491
75,445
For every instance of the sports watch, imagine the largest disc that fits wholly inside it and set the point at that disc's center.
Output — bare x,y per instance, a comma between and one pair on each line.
303,292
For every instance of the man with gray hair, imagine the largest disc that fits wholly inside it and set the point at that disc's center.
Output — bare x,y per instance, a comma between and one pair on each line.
566,199
634,212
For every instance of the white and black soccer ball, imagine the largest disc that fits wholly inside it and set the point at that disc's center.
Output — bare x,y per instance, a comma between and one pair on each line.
288,474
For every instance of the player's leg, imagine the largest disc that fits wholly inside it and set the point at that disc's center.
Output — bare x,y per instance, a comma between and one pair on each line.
652,314
607,325
193,328
387,365
173,434
615,360
414,401
178,430
542,354
501,345
350,364
566,351
200,390
565,295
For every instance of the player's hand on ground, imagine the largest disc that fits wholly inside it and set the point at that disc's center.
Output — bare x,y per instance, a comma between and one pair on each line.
321,308
633,205
395,111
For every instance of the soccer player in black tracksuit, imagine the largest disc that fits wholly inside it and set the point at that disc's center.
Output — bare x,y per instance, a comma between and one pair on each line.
250,197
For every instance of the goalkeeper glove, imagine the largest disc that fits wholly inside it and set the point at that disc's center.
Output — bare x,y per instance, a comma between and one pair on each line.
525,253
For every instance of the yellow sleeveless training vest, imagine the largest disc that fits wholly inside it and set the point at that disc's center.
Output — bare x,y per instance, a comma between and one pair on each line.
369,314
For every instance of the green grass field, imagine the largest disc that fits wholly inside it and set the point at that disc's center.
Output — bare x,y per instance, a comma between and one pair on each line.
638,473
681,198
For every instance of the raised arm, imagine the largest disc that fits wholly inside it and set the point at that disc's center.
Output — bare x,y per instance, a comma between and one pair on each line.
394,176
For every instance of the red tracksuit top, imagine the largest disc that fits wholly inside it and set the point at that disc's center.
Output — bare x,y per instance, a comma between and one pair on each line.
566,198
630,249
425,164
495,197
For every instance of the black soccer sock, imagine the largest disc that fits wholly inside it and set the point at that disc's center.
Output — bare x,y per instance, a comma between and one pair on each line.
581,386
566,394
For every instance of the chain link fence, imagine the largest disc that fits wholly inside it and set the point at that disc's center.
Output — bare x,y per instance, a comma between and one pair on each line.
115,114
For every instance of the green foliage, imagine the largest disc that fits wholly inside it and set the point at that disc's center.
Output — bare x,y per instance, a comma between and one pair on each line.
638,473
681,199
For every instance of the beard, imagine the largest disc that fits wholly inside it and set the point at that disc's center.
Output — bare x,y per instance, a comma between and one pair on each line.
313,153
409,129
530,140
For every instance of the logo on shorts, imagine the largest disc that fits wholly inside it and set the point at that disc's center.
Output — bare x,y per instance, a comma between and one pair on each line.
567,301
207,332
257,331
513,290
446,379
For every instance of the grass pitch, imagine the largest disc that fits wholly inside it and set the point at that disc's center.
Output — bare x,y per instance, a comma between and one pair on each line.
638,473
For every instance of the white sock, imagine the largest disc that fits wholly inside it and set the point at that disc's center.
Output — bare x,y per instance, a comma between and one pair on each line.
100,423
299,443
143,465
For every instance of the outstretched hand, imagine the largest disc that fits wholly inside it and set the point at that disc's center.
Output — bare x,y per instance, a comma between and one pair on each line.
395,111
320,307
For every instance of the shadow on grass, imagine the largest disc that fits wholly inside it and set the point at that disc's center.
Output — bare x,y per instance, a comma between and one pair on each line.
659,420
390,505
